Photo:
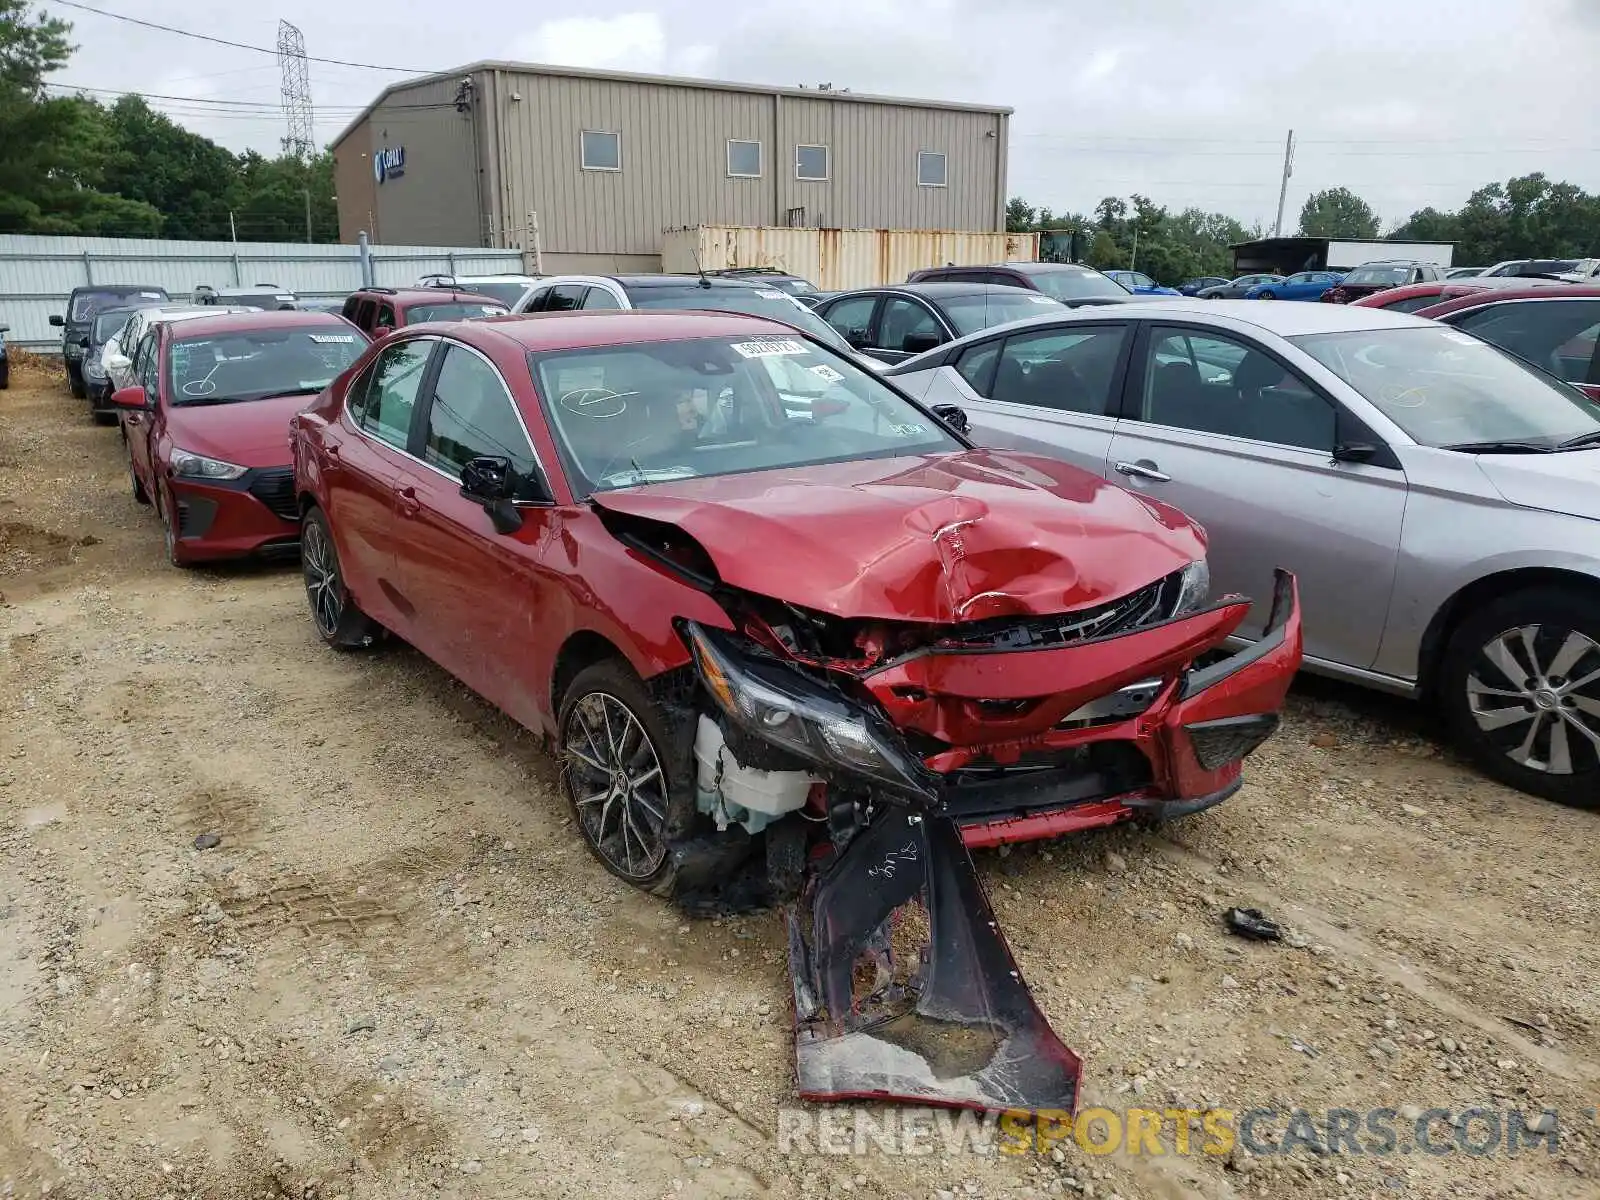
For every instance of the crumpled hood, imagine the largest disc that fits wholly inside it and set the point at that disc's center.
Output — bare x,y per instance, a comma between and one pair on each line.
1565,483
251,433
936,538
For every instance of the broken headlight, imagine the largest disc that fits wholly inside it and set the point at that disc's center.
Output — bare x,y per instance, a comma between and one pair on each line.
1194,588
780,705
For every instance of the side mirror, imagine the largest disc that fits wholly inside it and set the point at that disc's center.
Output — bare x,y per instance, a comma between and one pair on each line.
493,483
1354,452
57,320
917,343
131,398
953,415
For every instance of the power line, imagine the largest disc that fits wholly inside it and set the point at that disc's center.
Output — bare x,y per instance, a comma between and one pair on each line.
217,41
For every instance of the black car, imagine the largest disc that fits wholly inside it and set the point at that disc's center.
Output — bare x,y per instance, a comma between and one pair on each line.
1193,287
891,324
108,322
1070,283
82,305
812,299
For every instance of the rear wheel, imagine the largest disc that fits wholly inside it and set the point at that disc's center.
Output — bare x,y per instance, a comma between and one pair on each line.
137,488
629,781
1520,683
75,383
339,622
1267,296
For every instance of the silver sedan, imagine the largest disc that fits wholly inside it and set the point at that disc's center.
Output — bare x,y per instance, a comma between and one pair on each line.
1438,499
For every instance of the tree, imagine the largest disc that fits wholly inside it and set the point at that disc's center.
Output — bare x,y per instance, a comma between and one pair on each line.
1020,215
1337,213
1526,217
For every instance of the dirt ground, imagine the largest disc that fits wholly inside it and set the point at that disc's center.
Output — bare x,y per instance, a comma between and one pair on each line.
400,975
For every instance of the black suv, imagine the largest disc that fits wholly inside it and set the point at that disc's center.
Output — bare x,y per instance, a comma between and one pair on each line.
1069,283
82,305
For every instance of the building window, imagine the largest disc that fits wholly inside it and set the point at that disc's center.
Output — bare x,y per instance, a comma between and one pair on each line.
811,162
930,168
601,151
744,159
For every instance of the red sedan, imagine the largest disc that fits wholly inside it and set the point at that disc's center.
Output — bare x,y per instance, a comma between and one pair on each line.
1553,326
207,428
1412,296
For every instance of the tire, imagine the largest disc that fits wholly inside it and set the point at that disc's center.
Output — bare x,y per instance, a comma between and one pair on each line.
1267,296
339,622
75,385
137,488
610,735
169,528
1530,720
5,375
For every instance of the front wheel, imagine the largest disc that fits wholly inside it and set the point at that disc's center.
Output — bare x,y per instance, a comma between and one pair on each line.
1520,683
5,374
75,386
339,622
1267,296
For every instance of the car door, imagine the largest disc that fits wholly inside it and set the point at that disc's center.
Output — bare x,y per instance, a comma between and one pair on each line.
476,594
361,477
119,368
854,317
1049,391
1226,430
139,427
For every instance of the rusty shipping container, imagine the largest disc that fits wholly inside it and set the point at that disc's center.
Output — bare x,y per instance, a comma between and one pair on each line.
836,259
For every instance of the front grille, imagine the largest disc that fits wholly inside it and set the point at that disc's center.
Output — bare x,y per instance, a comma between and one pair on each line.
275,489
1045,779
1149,604
1229,739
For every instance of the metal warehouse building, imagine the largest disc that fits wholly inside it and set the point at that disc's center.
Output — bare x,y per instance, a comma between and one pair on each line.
609,161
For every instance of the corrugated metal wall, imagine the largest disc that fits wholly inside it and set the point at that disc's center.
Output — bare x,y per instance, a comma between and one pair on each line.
439,199
37,273
841,258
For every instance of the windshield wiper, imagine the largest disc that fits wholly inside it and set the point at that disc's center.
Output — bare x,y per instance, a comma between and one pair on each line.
204,401
1592,438
1500,448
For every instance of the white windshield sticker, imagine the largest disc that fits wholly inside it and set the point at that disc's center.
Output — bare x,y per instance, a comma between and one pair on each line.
770,294
768,347
334,338
824,371
909,430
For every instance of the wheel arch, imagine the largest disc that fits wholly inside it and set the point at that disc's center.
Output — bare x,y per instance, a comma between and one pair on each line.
1436,638
583,648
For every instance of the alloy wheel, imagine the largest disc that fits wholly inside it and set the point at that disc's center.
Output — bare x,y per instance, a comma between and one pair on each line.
321,572
617,785
1534,692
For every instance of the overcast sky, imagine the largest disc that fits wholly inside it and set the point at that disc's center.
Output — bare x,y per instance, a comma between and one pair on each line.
1408,102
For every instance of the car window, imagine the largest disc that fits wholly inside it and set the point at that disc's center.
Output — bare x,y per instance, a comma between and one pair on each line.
971,313
907,326
1142,280
1215,384
147,376
349,308
626,415
364,312
977,363
455,310
471,415
564,298
391,394
1558,335
1067,369
1411,303
599,297
536,300
1073,283
852,316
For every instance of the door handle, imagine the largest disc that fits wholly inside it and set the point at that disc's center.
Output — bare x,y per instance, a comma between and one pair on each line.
406,497
1143,469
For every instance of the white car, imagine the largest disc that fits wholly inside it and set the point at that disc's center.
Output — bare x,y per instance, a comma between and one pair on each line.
116,362
510,290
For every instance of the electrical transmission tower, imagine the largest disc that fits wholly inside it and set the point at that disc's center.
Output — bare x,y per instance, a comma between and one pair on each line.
296,91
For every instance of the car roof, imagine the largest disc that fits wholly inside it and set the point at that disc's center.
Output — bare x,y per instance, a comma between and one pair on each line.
508,277
252,289
936,289
221,323
681,279
1499,295
119,288
426,295
586,328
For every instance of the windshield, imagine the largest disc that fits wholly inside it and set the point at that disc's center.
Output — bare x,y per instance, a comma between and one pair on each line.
507,293
1076,283
1447,388
972,313
255,363
87,304
1386,276
758,301
455,310
654,411
108,324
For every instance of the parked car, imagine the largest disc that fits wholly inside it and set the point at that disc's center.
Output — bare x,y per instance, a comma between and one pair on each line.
82,305
107,325
268,297
792,284
812,299
5,359
1190,287
1436,498
1375,276
1141,284
117,356
893,323
1463,272
509,289
1555,328
1566,269
1303,285
378,312
1412,296
1070,283
569,293
1235,289
206,426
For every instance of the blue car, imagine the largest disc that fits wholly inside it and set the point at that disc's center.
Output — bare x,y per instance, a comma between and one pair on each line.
1141,284
1307,285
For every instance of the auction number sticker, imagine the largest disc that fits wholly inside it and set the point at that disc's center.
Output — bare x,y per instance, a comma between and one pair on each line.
336,339
911,429
824,372
769,348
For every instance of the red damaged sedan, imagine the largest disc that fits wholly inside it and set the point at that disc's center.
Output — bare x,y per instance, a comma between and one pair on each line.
207,427
787,629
